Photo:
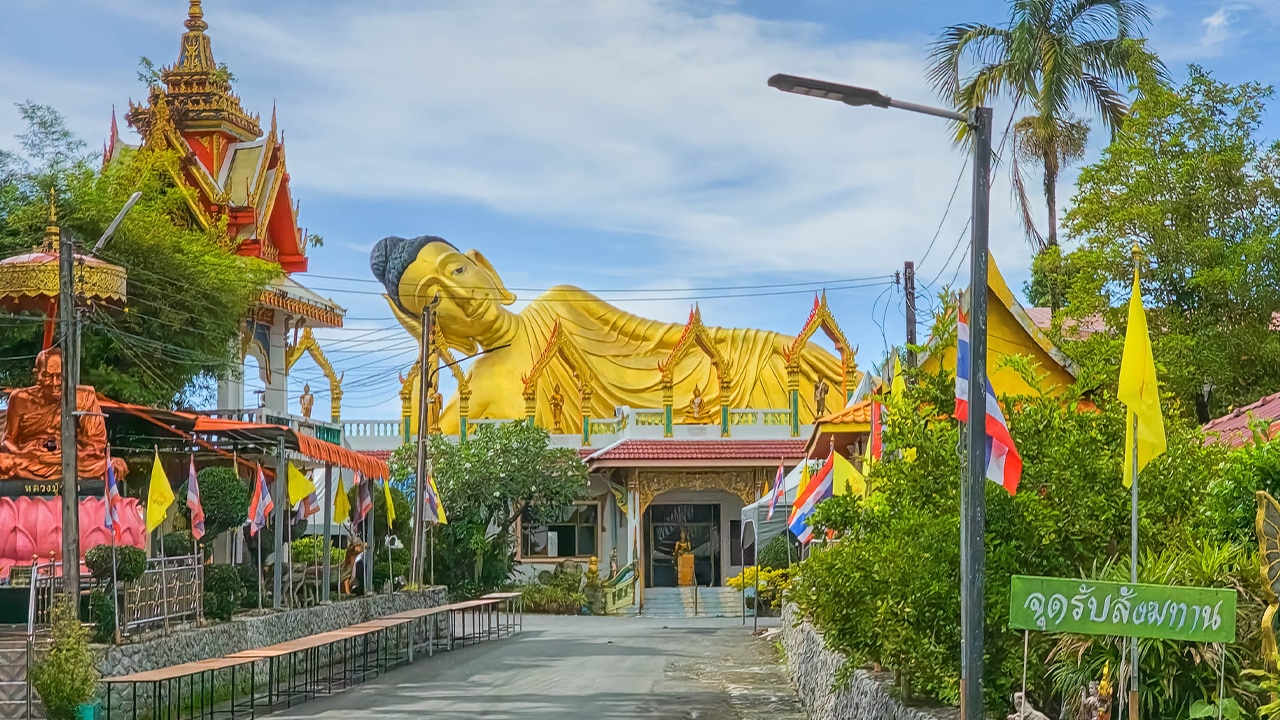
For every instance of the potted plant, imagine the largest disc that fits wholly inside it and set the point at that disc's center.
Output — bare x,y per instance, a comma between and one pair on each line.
65,675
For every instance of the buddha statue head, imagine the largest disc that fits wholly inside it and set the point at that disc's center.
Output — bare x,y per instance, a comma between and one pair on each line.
49,373
468,291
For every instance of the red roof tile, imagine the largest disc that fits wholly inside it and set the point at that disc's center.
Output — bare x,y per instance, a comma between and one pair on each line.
1233,428
383,455
766,451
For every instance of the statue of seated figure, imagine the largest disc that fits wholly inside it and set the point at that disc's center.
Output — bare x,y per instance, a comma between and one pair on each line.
31,448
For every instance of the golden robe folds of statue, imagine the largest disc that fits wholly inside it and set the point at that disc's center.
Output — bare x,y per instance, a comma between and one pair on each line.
622,352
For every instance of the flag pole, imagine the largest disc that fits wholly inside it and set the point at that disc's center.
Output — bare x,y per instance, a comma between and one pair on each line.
755,613
1133,566
115,588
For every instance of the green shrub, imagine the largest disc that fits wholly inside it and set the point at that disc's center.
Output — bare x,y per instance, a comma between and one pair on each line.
557,591
223,591
102,612
248,575
224,498
306,551
178,543
131,562
65,675
773,556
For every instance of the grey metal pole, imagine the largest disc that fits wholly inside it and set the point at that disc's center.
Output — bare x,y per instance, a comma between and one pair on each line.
1133,570
326,572
282,499
973,519
420,481
70,363
909,290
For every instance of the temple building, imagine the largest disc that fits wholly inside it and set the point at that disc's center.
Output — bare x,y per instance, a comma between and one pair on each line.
681,424
236,174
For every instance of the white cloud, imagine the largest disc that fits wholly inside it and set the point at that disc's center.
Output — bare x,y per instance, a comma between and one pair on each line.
649,117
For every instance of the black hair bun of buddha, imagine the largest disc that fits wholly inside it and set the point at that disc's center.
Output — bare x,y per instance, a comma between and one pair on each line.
393,255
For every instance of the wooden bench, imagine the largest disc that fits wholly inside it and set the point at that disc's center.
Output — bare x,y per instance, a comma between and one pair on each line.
300,669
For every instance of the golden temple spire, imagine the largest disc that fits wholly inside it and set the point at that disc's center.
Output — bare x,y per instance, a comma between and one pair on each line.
51,233
195,18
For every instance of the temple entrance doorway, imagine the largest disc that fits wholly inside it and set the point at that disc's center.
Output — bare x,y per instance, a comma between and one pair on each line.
699,525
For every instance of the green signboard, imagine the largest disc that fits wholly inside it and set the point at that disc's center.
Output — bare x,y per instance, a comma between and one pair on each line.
1088,607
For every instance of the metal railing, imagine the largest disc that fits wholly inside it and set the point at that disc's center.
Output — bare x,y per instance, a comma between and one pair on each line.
170,589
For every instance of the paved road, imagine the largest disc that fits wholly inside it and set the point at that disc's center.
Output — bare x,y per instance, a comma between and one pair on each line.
594,668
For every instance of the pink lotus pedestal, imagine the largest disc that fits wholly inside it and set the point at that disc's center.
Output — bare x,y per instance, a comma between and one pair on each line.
31,528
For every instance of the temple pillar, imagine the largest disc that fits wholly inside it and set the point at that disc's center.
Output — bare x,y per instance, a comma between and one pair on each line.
531,409
633,538
585,405
275,373
724,409
793,397
668,399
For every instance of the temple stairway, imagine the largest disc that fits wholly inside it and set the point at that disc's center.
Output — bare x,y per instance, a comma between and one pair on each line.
680,602
13,672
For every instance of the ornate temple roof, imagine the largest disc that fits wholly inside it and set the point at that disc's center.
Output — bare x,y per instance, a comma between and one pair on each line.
632,452
237,172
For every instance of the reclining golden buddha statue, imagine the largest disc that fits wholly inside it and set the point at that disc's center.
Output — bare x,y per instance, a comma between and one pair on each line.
31,449
622,352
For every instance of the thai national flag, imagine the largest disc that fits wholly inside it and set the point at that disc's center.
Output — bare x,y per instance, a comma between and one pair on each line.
820,488
112,515
1004,464
779,489
364,498
261,506
193,502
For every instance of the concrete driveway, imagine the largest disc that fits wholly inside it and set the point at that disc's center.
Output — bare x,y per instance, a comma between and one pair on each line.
584,667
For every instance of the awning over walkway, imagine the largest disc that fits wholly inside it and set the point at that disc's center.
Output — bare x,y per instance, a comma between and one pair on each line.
209,430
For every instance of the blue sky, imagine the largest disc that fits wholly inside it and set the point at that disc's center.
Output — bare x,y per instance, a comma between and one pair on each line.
610,144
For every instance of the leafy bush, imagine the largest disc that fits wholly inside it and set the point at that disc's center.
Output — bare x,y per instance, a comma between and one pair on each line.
224,497
131,562
248,575
557,591
306,551
886,591
774,554
773,584
223,590
178,543
66,675
102,608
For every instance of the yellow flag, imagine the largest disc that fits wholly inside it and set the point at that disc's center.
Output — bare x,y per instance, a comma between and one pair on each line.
391,507
159,496
441,517
804,478
845,478
341,505
300,486
1139,390
899,385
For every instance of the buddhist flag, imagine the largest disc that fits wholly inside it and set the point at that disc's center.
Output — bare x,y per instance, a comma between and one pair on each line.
845,478
341,505
193,501
804,479
159,496
300,486
1139,390
899,384
391,507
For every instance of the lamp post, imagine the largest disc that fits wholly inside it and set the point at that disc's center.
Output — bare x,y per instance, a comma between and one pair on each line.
973,484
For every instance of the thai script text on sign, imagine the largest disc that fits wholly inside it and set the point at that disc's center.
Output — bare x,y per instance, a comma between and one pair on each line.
1090,607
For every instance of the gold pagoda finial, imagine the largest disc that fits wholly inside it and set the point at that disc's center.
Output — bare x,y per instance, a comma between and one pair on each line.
51,233
195,18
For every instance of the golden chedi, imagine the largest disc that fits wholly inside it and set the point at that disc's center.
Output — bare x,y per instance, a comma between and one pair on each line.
624,354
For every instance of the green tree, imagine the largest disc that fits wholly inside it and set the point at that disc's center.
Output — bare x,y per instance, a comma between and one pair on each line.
485,484
1050,55
1192,184
188,292
66,674
224,498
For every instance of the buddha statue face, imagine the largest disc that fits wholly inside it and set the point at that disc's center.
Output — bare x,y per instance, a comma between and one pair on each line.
468,291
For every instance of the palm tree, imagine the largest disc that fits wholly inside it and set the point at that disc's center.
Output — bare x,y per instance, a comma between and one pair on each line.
1052,53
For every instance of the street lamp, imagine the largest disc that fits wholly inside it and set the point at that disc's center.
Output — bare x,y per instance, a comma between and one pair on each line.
973,485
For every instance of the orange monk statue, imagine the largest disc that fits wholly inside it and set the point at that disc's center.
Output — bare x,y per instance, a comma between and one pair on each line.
31,448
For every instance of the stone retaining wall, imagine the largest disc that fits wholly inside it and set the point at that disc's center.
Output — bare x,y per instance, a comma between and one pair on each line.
247,633
868,696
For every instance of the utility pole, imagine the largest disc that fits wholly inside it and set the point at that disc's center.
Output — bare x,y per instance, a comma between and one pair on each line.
973,519
425,372
909,289
70,321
